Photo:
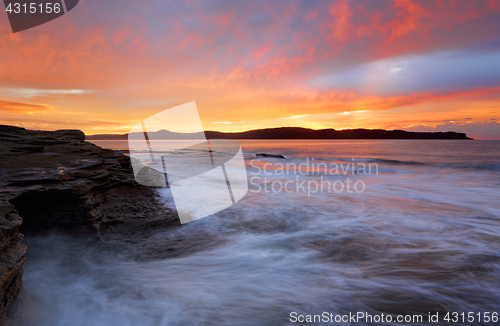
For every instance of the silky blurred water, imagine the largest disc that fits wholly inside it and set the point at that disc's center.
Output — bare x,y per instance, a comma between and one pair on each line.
423,236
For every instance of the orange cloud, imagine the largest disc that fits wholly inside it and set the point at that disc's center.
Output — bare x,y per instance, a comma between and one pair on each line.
24,108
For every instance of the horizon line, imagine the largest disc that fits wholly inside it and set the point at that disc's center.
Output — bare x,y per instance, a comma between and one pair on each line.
234,132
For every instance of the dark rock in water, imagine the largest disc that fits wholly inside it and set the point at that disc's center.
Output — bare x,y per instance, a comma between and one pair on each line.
270,155
55,180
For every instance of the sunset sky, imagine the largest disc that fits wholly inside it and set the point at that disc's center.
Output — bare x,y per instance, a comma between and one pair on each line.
106,65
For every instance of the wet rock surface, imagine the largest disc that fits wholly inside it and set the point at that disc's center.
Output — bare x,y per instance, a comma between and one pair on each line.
54,180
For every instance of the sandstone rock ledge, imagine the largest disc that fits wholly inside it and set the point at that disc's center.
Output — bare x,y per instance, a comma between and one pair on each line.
56,180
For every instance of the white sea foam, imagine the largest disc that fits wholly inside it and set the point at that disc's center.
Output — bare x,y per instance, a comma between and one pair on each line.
421,237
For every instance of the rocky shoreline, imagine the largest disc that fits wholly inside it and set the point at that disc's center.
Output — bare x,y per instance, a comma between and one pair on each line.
55,180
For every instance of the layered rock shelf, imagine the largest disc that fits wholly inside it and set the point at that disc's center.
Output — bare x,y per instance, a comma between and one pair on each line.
56,180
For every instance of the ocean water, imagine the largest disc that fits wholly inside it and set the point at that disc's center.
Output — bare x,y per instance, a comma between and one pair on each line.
393,227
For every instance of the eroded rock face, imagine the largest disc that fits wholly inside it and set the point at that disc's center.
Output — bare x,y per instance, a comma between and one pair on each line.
12,256
56,180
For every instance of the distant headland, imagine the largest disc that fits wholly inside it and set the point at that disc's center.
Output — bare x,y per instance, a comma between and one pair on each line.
294,133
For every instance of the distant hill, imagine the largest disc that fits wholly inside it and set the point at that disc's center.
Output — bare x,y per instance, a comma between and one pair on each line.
157,135
292,133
